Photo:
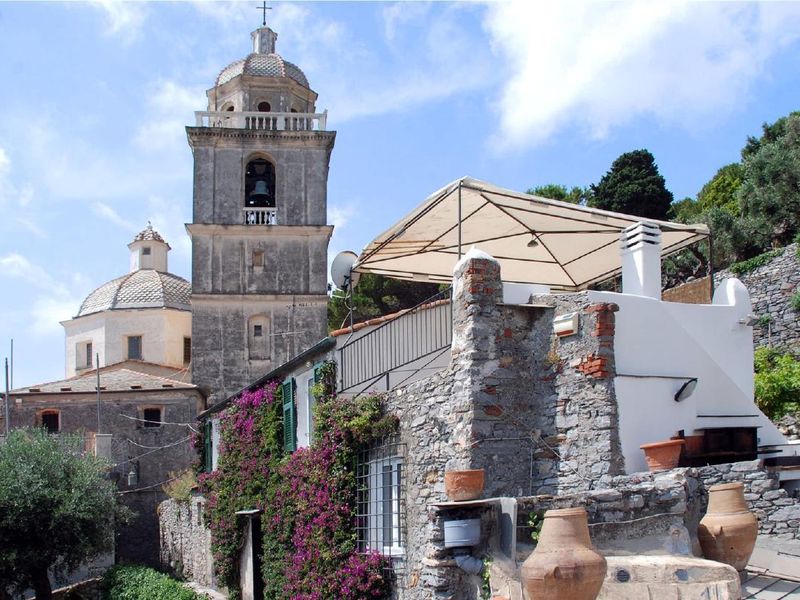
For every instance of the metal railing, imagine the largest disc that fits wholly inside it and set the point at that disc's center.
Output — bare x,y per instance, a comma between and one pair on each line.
263,121
408,338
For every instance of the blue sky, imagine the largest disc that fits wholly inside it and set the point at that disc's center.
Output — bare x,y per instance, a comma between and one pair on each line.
96,96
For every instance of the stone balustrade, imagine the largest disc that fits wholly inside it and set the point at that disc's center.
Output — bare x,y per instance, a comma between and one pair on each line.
263,121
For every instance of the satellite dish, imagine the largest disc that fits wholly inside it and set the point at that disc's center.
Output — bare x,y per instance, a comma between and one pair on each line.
342,272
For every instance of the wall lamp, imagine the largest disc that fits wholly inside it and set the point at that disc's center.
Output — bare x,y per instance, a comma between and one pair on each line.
686,390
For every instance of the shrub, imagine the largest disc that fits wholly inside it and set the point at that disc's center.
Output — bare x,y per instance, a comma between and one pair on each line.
130,582
795,301
751,264
777,382
180,485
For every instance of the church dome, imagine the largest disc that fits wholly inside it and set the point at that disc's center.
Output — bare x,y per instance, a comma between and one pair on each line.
144,288
263,65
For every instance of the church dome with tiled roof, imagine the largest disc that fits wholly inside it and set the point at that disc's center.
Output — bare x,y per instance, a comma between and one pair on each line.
263,62
145,288
147,285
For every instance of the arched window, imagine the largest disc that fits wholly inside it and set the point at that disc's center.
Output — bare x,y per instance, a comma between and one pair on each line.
229,109
259,184
258,337
263,107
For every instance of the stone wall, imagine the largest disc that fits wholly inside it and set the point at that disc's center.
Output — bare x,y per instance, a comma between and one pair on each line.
536,412
771,288
186,541
778,514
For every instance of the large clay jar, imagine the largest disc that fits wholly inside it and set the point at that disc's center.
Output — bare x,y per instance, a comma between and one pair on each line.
463,485
728,531
564,565
662,456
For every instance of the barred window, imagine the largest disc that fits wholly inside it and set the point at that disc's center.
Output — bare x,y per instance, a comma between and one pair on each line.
381,498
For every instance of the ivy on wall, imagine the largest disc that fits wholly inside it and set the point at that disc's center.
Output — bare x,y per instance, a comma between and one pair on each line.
308,497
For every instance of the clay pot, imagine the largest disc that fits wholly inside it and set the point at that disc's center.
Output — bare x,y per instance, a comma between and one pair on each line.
463,485
728,531
662,456
564,564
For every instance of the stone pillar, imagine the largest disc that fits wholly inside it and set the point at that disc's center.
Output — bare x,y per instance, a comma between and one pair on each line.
641,260
477,289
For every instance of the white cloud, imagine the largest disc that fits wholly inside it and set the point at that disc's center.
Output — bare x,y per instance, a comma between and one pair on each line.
103,210
598,65
124,20
17,266
4,161
54,302
170,107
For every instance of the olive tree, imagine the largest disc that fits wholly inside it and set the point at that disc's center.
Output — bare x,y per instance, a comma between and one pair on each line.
57,508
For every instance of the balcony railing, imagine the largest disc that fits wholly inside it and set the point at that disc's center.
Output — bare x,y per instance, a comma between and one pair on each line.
263,121
407,343
260,216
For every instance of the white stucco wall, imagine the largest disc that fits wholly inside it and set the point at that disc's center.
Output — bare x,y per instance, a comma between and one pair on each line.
162,332
658,346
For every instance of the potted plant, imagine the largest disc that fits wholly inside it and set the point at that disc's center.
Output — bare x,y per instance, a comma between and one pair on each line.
662,456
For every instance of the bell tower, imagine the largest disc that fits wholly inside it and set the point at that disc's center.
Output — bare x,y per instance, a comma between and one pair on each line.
259,228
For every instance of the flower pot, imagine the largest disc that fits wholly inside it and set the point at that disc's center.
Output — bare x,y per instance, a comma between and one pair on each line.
564,564
463,485
662,456
728,531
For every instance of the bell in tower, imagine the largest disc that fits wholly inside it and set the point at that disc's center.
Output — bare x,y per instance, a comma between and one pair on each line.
259,184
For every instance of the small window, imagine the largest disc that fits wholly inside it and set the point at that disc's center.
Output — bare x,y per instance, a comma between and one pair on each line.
151,417
51,421
258,337
146,251
83,355
187,350
379,476
135,347
264,107
229,109
258,258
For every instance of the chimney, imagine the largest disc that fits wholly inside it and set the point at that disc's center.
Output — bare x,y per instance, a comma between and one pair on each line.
640,247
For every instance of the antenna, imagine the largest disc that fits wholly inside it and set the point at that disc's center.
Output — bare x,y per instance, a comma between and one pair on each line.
342,273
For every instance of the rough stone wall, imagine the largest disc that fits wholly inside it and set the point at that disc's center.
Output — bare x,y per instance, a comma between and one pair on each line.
771,288
778,514
186,541
536,412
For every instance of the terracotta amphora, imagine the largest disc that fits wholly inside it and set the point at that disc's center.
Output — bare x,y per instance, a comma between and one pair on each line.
564,565
662,456
728,531
463,485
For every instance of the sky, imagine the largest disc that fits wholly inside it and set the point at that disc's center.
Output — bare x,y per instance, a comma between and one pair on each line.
96,96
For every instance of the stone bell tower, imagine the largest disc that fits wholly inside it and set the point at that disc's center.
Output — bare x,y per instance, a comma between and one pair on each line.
259,229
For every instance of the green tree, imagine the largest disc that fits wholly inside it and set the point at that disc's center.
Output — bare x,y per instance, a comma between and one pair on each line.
633,186
375,296
777,382
721,190
56,508
770,192
554,191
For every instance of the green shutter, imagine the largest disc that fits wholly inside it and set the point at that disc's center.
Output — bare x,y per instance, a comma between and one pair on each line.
289,416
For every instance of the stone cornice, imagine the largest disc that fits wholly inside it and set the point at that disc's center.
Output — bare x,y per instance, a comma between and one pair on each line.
225,136
260,231
320,299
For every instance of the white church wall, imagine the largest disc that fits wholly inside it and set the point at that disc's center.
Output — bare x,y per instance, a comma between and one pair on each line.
162,332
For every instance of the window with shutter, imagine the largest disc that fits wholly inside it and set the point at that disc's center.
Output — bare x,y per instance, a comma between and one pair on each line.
208,449
289,416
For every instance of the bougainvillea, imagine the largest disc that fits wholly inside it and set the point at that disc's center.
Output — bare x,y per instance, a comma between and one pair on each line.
308,497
